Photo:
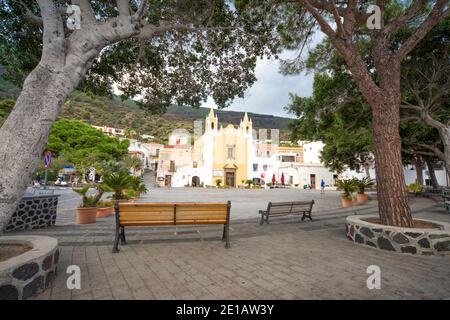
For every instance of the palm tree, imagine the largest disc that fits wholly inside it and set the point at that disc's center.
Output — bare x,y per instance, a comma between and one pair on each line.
130,133
118,181
131,162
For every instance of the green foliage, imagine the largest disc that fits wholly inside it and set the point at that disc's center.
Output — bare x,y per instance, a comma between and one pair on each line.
337,115
415,187
6,105
130,162
218,182
130,193
347,187
138,185
80,144
118,182
90,201
175,67
364,184
105,204
249,182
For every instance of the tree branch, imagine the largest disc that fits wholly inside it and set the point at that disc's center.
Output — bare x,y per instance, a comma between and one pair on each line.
402,20
434,149
149,31
87,15
124,7
438,13
140,11
30,15
53,51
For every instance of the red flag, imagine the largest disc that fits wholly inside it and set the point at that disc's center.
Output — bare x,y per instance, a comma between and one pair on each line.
282,178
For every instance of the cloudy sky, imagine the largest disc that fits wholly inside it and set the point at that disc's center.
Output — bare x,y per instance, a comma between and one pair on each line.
270,93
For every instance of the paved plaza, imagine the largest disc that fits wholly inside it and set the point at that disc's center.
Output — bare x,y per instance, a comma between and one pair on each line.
287,259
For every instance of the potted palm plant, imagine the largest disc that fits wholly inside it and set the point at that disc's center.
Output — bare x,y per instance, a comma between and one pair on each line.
362,185
347,187
105,209
119,182
138,186
87,211
218,182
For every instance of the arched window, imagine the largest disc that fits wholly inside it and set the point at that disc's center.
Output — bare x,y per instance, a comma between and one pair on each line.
212,125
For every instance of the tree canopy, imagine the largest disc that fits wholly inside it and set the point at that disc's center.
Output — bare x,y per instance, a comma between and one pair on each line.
337,114
192,49
78,143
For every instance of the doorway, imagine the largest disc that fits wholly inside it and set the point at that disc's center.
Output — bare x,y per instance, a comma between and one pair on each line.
168,181
312,179
195,181
230,178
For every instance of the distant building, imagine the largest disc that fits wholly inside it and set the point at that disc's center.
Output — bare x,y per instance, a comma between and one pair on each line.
111,131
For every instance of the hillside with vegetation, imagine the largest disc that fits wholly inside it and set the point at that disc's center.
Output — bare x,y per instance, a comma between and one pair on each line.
104,111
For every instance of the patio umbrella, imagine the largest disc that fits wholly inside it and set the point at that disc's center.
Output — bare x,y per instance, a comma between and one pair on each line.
282,178
273,179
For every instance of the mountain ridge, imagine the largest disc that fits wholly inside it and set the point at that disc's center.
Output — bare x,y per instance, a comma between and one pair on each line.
104,111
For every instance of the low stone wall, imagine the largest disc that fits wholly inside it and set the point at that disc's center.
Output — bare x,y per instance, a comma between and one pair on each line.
402,240
34,212
23,276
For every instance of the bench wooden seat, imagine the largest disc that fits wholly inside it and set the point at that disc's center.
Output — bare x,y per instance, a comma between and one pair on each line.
166,214
303,208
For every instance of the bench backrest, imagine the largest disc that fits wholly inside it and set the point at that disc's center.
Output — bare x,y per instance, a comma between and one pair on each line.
290,207
140,214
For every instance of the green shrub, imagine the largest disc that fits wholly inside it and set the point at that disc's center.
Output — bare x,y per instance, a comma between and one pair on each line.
364,184
415,187
347,187
104,204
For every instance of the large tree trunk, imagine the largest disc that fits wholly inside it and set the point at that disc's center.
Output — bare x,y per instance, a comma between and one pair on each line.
392,194
64,62
25,132
385,102
434,182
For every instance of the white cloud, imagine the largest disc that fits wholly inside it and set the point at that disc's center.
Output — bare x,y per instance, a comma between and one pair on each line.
270,93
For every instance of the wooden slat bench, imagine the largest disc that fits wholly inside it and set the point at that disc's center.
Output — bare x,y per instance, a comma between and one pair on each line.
287,208
166,214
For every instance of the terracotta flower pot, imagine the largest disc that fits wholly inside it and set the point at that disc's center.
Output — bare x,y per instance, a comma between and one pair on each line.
86,215
105,212
362,197
346,202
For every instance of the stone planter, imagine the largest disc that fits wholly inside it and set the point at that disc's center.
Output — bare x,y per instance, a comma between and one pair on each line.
362,197
86,215
31,272
422,241
105,212
346,202
34,212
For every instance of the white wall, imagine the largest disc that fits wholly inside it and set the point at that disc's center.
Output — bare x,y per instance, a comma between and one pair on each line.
321,172
410,176
311,152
